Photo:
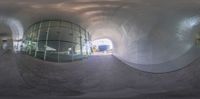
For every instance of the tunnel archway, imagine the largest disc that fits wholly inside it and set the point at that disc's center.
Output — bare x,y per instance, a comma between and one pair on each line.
14,32
6,41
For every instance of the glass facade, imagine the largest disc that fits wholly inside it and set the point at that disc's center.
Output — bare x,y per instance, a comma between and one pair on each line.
56,41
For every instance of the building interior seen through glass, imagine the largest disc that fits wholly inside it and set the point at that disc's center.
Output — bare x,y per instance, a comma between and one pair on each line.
56,41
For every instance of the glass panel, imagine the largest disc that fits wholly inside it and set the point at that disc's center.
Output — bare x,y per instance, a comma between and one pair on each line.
66,25
77,33
52,51
77,52
55,23
66,35
84,50
83,33
34,36
43,34
37,26
33,46
76,28
54,34
41,49
66,41
45,24
76,40
65,52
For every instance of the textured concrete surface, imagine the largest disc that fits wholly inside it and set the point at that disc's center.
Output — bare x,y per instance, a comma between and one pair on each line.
96,77
150,35
155,36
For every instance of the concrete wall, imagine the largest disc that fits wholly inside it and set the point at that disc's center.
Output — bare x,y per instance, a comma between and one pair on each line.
150,35
155,38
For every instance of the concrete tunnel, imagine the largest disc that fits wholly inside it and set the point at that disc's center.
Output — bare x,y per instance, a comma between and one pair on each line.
155,49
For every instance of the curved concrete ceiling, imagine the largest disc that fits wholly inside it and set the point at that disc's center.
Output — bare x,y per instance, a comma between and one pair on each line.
150,35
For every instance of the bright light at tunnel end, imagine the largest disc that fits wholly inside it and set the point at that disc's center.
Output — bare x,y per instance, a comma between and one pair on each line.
102,46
